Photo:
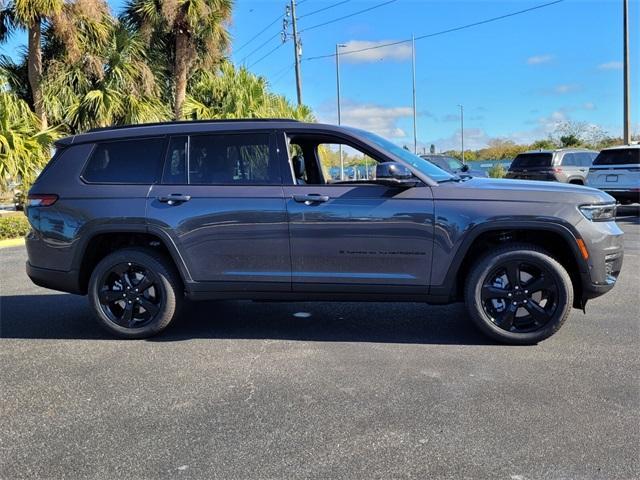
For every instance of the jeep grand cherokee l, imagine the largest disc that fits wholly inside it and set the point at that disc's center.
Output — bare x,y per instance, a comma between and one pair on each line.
141,217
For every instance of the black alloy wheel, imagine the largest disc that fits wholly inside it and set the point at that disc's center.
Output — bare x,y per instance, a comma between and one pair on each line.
129,295
136,292
520,296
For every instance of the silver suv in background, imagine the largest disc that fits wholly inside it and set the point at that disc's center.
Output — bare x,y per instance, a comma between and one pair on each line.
616,170
566,165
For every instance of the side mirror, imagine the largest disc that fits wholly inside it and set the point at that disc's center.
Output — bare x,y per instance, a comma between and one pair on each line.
464,168
392,171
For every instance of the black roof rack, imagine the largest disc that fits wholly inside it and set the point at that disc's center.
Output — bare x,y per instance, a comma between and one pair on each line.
182,122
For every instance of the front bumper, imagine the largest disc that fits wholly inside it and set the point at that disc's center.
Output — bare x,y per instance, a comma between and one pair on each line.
604,242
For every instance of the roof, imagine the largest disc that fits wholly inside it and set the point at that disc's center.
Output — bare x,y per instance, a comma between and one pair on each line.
561,150
623,147
183,127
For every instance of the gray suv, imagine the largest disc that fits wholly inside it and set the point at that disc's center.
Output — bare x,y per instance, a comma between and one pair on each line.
567,165
141,218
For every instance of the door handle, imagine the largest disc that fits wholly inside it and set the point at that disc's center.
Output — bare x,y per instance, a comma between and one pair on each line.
311,198
174,199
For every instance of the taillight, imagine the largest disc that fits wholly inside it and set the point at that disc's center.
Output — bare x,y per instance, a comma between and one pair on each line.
557,169
43,200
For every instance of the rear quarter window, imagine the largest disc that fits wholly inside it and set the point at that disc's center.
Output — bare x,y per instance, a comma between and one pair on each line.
618,157
133,161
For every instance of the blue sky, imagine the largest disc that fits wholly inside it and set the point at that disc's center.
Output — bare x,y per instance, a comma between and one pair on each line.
516,77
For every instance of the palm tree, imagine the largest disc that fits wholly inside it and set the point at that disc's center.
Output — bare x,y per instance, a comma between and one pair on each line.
24,145
195,31
71,21
237,93
111,84
29,15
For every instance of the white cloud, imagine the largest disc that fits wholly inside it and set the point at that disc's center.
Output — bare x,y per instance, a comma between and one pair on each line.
589,106
376,118
401,51
539,59
614,65
474,139
566,88
380,119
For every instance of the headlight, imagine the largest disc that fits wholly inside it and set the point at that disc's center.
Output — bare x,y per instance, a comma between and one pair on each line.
599,213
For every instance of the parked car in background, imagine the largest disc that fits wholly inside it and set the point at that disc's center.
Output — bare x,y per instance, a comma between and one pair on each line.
566,165
455,166
140,217
616,170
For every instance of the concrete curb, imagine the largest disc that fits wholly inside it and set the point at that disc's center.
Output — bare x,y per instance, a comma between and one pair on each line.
11,242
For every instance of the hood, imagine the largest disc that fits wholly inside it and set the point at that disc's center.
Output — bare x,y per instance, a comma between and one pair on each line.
524,190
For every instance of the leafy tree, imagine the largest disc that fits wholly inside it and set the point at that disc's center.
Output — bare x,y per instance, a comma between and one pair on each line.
546,144
24,145
570,141
60,18
193,30
237,93
113,84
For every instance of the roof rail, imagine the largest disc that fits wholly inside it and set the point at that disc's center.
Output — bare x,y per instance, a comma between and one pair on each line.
183,122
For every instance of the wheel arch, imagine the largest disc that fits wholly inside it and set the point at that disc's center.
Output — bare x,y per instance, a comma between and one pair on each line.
558,239
106,239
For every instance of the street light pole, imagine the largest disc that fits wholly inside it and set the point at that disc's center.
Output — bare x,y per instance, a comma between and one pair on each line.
462,130
338,47
627,93
413,72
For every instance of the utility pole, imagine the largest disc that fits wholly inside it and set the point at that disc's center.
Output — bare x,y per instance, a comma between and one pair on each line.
297,50
627,100
462,130
413,71
338,47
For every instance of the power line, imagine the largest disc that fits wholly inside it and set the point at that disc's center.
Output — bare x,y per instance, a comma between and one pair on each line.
259,47
322,9
442,32
258,34
348,16
282,73
266,55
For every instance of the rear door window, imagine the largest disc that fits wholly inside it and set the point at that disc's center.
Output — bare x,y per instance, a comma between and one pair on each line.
133,161
222,159
620,156
531,160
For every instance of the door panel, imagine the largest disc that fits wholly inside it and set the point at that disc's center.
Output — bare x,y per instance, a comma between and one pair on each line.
360,234
226,233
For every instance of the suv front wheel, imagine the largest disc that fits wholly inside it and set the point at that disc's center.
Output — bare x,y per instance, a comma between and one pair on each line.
518,294
135,292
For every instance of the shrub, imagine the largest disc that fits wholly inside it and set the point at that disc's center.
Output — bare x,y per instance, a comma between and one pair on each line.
497,171
14,226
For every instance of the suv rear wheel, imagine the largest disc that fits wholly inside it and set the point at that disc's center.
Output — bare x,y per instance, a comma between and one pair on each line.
135,293
518,294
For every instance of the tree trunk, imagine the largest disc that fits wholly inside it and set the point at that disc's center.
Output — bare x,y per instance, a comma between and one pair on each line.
180,73
34,69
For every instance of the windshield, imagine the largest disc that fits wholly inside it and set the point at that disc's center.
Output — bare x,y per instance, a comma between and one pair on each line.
424,166
525,160
620,156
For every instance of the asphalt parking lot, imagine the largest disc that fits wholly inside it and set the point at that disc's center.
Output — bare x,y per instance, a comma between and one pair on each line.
311,390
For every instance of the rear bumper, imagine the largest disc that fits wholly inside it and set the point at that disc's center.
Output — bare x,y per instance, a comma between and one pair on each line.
625,196
55,279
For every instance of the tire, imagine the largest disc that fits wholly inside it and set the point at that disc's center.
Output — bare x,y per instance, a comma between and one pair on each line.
120,273
492,303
